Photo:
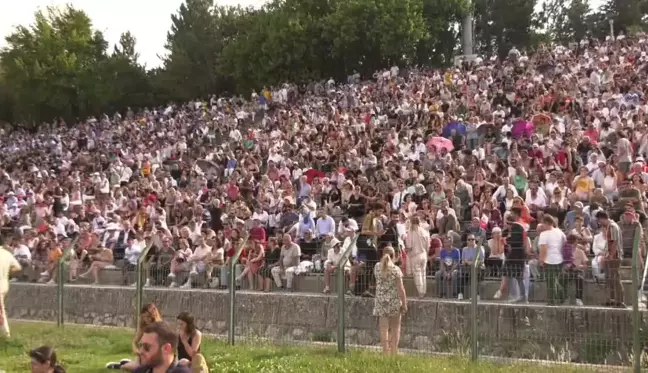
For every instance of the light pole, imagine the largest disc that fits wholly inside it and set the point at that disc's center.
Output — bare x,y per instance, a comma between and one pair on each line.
611,22
467,30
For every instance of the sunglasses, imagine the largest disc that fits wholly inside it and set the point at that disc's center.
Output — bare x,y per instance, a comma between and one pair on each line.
146,347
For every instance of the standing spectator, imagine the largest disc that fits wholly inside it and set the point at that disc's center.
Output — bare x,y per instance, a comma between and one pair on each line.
471,255
157,352
44,360
417,244
8,265
612,259
448,275
573,266
550,243
391,301
515,262
288,262
255,262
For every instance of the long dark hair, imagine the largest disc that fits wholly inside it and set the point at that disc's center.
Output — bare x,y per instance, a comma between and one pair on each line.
46,354
189,320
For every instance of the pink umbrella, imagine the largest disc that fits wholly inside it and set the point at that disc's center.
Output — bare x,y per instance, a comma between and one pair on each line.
440,143
522,128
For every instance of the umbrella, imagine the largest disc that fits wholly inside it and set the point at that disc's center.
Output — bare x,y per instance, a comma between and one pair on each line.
440,143
522,128
542,122
460,128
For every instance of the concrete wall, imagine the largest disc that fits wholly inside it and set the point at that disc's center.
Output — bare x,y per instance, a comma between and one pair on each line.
524,331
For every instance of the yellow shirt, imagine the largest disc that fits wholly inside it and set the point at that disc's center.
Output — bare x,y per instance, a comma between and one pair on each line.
584,185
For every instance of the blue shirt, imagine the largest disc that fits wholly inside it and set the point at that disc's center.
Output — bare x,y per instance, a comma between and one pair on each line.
470,253
453,254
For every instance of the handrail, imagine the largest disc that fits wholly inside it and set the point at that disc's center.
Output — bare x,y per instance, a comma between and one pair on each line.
60,280
140,281
340,292
232,289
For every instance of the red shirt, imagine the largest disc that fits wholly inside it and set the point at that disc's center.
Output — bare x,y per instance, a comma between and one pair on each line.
258,233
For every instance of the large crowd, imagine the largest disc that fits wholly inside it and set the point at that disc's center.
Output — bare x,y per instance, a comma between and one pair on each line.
528,166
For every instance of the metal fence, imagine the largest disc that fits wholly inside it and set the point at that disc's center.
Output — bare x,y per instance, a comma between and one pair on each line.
593,337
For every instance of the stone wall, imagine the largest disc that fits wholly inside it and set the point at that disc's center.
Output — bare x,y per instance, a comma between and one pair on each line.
524,331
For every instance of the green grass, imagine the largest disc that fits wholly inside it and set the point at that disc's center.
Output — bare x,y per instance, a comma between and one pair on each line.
86,350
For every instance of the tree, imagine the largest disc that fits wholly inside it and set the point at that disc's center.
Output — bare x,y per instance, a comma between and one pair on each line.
49,66
503,24
126,47
566,21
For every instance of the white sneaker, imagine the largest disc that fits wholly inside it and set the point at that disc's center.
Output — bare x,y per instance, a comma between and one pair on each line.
641,296
193,273
460,297
134,284
173,284
187,285
147,283
171,276
497,295
515,300
579,303
43,274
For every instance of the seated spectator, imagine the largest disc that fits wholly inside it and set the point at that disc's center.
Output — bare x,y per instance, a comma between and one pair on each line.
157,354
495,253
256,261
325,224
288,263
22,254
149,314
434,255
237,241
99,259
78,259
200,260
322,253
134,248
190,339
272,256
181,261
159,264
330,265
471,255
448,275
44,360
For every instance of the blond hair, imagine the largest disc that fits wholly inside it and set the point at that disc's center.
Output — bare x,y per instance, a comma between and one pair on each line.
386,260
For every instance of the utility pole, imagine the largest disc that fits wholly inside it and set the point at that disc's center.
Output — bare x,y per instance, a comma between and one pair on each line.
467,32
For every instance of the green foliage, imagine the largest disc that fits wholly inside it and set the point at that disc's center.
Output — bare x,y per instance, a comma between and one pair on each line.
60,66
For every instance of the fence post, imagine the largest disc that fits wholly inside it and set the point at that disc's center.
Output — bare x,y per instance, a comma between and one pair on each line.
231,314
140,281
60,283
339,285
636,316
60,279
474,283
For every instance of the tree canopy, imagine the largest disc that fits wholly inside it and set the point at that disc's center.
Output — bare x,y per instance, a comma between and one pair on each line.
60,66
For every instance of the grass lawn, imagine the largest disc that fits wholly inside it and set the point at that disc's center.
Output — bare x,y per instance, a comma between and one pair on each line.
86,350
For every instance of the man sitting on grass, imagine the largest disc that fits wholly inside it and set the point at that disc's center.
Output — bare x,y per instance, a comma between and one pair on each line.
157,350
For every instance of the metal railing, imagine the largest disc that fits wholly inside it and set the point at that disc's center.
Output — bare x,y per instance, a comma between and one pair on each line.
231,314
607,336
60,281
140,280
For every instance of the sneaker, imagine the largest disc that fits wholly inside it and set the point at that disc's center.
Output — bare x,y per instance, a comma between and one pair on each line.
173,284
171,276
497,295
460,296
43,274
113,365
193,273
134,284
187,285
579,303
147,283
515,300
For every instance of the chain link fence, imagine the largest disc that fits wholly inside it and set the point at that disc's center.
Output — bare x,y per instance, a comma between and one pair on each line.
478,312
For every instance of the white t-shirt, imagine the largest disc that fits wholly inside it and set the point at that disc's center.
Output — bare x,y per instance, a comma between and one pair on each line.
7,261
554,240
